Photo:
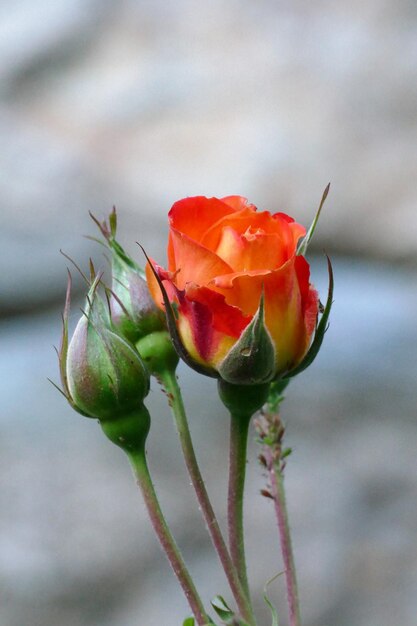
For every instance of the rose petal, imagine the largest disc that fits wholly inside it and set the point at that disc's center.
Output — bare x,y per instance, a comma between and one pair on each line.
238,202
309,296
155,291
250,251
288,315
248,218
291,231
222,255
193,262
194,216
225,318
208,326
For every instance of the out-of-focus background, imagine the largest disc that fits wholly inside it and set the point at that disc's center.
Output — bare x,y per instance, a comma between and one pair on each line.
138,104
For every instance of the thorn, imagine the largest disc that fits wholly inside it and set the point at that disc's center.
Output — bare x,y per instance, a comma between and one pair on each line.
262,460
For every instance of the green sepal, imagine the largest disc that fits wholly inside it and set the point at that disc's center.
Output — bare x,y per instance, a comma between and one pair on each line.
109,235
303,245
97,313
320,330
251,360
113,222
63,352
173,330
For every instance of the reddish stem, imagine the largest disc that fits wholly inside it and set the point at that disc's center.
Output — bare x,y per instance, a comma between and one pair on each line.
278,494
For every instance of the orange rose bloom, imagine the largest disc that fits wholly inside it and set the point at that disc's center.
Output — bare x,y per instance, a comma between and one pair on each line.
224,257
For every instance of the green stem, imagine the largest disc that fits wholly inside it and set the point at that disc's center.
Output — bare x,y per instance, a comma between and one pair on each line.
239,427
278,494
144,481
169,381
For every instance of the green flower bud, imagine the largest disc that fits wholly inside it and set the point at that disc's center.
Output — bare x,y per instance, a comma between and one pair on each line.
133,311
102,373
157,352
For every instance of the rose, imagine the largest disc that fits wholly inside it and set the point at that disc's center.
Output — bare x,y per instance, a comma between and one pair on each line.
238,287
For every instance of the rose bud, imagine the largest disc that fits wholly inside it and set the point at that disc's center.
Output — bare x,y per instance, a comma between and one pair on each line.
238,297
102,374
133,310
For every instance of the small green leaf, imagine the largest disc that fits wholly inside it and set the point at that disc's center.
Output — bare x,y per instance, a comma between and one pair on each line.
303,245
320,331
63,351
286,453
190,621
222,609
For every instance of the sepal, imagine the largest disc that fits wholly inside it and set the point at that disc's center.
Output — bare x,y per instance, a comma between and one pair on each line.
251,360
63,351
303,245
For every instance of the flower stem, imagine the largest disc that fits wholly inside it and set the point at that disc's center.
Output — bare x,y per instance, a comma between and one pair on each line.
278,494
271,432
144,481
239,427
169,382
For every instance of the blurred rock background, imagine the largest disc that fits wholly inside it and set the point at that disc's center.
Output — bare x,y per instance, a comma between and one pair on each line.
138,104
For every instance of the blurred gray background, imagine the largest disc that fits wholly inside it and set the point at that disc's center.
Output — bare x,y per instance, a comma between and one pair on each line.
138,104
